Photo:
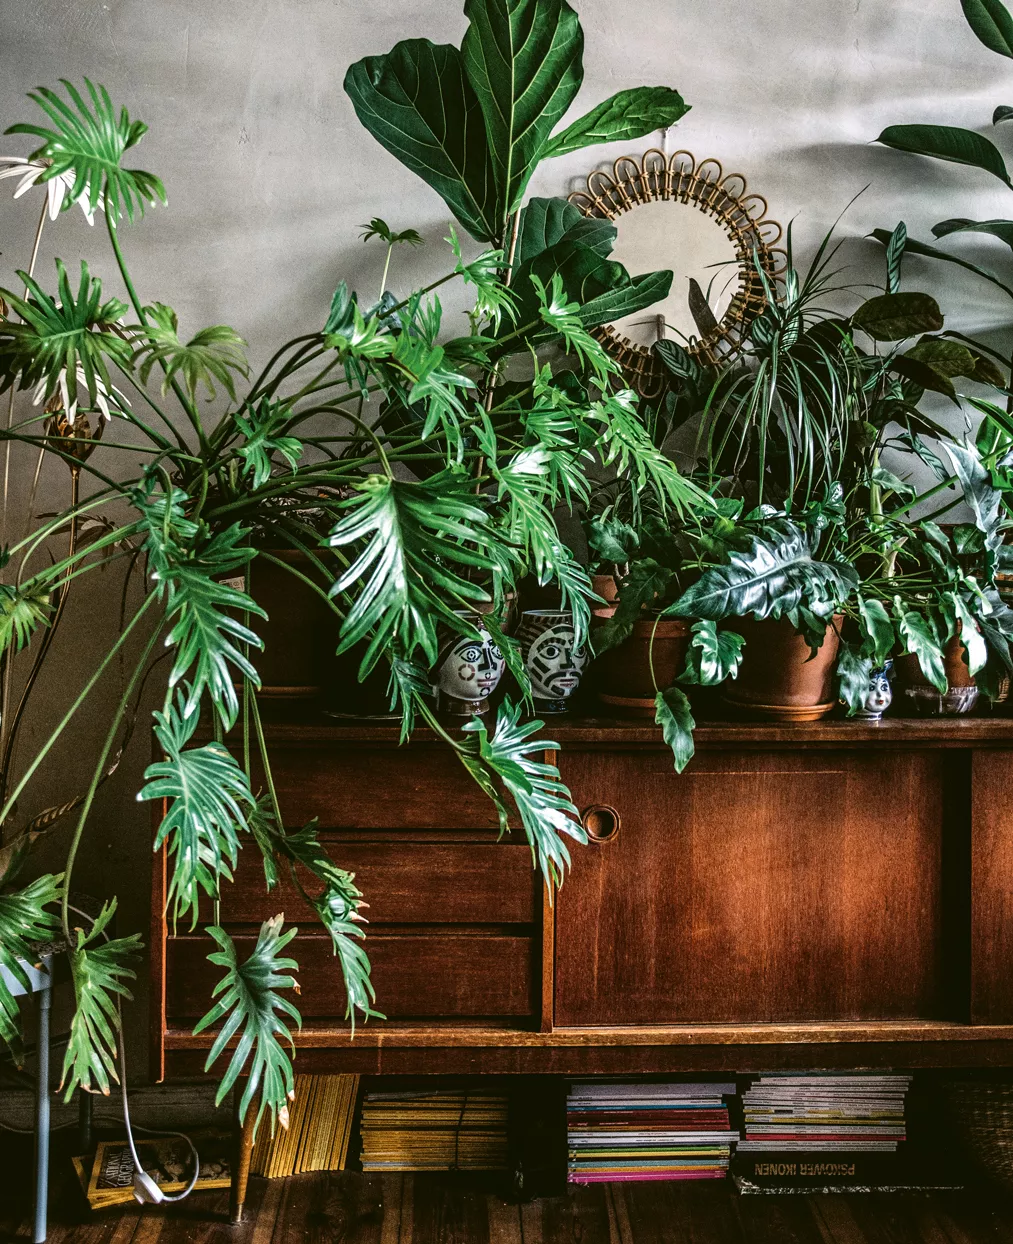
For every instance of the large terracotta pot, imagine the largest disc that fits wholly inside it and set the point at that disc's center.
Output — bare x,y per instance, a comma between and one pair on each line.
605,586
777,679
918,695
300,632
623,673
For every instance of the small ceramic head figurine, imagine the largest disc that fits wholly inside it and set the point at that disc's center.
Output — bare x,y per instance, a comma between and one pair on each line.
552,658
879,695
468,671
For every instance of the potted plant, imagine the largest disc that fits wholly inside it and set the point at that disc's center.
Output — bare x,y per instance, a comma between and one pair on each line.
433,480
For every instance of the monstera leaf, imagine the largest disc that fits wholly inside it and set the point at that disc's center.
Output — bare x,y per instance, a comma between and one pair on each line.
773,576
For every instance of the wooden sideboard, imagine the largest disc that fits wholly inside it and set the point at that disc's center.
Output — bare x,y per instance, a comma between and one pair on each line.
828,894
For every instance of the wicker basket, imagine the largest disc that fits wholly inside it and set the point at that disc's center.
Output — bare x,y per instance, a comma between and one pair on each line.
982,1115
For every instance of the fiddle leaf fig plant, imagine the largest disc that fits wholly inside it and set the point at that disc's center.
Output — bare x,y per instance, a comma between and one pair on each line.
417,478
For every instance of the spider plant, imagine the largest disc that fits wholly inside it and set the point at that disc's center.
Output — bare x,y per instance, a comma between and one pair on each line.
417,481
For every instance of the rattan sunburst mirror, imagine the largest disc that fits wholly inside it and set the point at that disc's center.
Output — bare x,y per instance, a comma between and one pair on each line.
690,216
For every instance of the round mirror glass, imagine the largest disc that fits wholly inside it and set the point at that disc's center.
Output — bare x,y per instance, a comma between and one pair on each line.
701,255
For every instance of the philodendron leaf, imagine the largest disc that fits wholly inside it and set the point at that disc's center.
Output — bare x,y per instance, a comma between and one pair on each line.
713,655
948,142
853,673
22,610
918,636
970,635
251,1005
892,317
623,117
523,61
991,22
673,715
418,103
984,501
880,636
772,577
23,920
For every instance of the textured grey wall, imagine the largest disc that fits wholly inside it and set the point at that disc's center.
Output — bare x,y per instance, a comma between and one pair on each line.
269,177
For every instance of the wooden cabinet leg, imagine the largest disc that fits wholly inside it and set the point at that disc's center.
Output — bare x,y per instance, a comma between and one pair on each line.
241,1166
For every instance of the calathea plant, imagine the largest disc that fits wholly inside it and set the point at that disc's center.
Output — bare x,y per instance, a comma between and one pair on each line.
419,483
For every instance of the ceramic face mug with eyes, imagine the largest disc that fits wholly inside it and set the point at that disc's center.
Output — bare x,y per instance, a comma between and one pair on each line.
469,672
553,660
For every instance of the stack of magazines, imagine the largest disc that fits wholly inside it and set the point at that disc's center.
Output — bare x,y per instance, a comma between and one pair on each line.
436,1130
854,1112
318,1133
648,1131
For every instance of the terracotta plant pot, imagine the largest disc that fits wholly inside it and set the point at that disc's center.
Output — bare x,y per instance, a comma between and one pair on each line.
300,632
777,679
606,587
623,673
919,696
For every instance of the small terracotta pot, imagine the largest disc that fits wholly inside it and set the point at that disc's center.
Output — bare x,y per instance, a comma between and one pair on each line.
605,585
300,632
624,673
920,696
777,679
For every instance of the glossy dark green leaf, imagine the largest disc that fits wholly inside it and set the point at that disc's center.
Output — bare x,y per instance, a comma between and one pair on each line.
713,655
544,222
894,257
892,317
853,674
991,22
912,247
638,294
673,714
949,358
523,59
418,103
924,376
1001,229
880,636
948,142
918,636
983,499
621,118
1002,113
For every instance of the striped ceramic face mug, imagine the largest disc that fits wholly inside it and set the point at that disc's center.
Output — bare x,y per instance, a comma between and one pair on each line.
552,658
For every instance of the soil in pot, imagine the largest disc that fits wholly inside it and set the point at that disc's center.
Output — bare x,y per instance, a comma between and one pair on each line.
917,695
779,679
300,631
623,674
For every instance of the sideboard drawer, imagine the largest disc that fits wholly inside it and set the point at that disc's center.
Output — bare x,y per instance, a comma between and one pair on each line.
416,975
406,882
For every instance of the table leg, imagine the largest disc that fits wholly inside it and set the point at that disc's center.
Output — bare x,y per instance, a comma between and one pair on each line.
42,1106
241,1168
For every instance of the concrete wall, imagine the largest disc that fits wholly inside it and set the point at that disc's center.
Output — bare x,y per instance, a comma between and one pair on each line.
269,178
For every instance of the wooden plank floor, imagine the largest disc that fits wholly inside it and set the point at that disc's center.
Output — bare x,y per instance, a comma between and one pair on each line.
440,1209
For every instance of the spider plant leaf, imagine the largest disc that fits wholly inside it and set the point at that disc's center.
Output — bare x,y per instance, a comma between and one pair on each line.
893,317
991,22
546,810
212,354
249,1001
673,714
913,247
948,142
22,611
100,971
207,795
23,920
620,118
62,340
523,59
89,142
417,539
418,103
772,576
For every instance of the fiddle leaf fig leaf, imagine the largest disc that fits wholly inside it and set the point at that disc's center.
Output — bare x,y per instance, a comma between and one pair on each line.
418,103
543,223
523,60
672,713
89,143
948,142
23,920
207,795
100,970
991,22
621,118
252,1006
547,812
892,317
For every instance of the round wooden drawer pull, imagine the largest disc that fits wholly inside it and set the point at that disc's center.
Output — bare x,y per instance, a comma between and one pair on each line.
601,822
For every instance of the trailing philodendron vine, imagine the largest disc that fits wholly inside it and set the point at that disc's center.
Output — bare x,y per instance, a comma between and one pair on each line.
415,476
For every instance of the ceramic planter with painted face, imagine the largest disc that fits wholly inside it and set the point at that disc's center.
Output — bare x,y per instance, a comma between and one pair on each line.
551,656
468,671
